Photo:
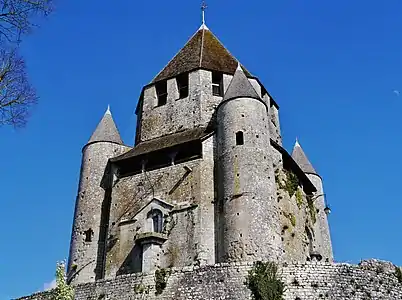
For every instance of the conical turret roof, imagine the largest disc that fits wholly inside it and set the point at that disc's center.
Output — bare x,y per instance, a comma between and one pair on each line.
301,159
106,131
204,51
240,87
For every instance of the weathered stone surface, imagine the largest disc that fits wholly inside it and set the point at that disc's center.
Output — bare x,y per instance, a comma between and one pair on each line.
85,253
305,281
189,188
249,219
225,200
38,296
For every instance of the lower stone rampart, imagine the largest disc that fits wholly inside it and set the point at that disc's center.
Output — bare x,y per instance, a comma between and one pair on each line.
371,279
47,295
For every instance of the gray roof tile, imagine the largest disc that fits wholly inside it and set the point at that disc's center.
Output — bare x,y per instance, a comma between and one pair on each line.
301,158
202,51
240,87
106,131
163,142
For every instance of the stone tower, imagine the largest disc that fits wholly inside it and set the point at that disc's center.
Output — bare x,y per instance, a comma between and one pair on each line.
207,181
250,219
322,245
104,143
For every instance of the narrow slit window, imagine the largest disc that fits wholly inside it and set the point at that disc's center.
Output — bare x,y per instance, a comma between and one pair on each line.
239,138
217,84
88,235
182,85
161,92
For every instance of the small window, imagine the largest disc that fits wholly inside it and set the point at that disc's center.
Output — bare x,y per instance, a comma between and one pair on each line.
88,235
157,220
217,84
239,138
182,85
161,92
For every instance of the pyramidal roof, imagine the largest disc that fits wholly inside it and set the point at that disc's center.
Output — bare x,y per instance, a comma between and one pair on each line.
240,87
106,131
301,158
204,51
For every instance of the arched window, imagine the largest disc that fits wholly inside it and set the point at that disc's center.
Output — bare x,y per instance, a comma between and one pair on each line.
239,138
157,220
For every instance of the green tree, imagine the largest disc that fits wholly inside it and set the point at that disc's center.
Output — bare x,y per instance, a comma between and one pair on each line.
63,291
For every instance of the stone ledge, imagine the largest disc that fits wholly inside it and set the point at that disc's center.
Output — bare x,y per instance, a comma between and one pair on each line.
151,238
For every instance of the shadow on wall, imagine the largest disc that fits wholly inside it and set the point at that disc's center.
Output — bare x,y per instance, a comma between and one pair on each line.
133,262
101,255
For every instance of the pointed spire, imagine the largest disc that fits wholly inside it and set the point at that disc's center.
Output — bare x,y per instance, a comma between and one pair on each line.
106,131
202,51
301,159
240,86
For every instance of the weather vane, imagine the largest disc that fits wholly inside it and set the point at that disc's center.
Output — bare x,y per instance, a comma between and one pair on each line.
203,8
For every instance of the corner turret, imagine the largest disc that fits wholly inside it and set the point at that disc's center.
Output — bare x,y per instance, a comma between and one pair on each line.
322,240
106,131
240,87
300,157
89,227
248,217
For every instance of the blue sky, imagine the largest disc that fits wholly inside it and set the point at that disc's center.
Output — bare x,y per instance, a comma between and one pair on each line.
332,67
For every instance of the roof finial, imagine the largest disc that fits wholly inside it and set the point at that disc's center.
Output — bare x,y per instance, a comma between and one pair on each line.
108,110
203,8
239,66
297,142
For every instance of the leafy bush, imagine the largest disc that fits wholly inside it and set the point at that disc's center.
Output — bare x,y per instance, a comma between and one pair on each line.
161,276
299,198
292,182
264,282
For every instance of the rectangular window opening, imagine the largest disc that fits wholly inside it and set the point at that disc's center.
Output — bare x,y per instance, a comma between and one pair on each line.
161,92
182,85
217,84
239,138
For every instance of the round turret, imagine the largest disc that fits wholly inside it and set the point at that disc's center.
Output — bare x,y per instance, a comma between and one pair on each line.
322,239
249,216
87,239
323,243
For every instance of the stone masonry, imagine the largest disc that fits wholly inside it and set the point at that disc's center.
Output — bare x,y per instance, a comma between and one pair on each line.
206,191
305,281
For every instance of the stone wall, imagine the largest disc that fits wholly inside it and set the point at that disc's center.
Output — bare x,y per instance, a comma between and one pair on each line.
189,225
371,279
38,296
246,190
86,229
307,281
304,224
